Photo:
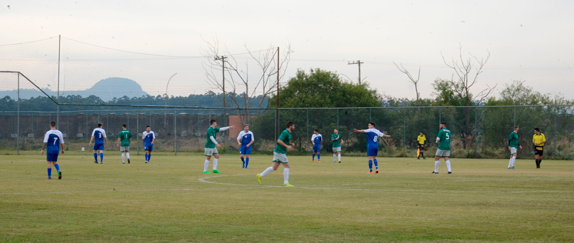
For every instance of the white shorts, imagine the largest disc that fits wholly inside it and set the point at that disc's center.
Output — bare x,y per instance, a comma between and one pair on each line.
336,149
210,151
513,150
124,148
442,153
281,158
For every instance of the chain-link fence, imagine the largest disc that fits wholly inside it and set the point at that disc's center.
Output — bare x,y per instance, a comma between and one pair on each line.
477,132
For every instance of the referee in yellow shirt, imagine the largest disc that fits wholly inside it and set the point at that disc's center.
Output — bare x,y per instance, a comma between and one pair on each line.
538,140
422,139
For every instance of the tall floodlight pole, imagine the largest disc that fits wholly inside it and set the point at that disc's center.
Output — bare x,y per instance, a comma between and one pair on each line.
358,62
222,58
58,92
278,67
166,97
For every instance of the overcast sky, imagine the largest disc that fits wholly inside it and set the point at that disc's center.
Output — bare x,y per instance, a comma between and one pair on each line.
527,40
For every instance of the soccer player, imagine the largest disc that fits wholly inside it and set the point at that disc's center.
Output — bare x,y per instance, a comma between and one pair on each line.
538,139
422,139
317,140
124,140
443,150
337,141
53,140
211,146
373,136
513,146
100,140
280,154
245,139
148,137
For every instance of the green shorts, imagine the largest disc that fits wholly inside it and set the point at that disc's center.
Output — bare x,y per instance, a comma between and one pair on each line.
281,158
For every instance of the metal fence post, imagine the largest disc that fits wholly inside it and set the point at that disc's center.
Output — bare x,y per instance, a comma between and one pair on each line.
307,138
175,131
554,143
138,131
439,115
405,133
475,130
515,116
370,114
337,118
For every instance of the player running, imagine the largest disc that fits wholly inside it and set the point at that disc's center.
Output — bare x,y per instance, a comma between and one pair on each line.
53,140
337,141
280,154
100,140
538,140
124,140
211,146
148,137
421,139
245,139
513,146
317,140
443,150
373,136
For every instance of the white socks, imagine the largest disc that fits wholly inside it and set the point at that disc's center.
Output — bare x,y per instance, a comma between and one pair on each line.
436,166
205,165
215,164
339,157
511,161
128,154
448,165
123,158
286,175
266,171
334,157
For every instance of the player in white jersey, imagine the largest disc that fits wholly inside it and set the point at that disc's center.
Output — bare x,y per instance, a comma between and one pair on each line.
245,139
148,137
373,136
317,140
99,134
53,140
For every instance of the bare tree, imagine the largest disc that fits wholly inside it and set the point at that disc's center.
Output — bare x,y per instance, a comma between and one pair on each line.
239,88
414,81
467,71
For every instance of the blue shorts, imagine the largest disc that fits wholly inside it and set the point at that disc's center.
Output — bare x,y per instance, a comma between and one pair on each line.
316,148
372,151
99,146
148,147
245,150
52,157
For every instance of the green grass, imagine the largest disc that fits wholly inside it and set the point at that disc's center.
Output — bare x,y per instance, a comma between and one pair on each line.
170,200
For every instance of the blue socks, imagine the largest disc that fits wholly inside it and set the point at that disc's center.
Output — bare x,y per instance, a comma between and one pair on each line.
102,157
243,160
376,164
147,157
313,156
96,156
57,166
49,172
246,163
370,165
319,157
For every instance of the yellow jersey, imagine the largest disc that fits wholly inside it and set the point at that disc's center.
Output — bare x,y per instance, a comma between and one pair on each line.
539,139
421,139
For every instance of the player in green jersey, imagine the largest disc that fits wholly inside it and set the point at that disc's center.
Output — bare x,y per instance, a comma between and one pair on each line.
337,141
211,146
443,140
124,140
513,146
280,154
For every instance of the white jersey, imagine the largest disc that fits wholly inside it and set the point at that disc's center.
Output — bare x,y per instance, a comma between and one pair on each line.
99,134
317,138
53,139
245,137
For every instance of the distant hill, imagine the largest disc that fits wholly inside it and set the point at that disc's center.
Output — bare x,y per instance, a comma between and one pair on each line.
106,89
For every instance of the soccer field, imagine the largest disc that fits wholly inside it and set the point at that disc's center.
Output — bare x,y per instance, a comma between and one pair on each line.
171,200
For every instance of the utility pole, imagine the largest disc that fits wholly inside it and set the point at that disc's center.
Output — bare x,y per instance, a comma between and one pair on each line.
222,58
278,67
58,92
358,62
166,98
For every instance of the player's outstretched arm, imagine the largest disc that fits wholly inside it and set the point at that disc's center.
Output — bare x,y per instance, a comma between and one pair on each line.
359,131
387,136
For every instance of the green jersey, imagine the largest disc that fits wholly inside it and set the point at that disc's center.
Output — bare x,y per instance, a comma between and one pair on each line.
444,136
286,138
211,132
125,137
513,140
337,142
